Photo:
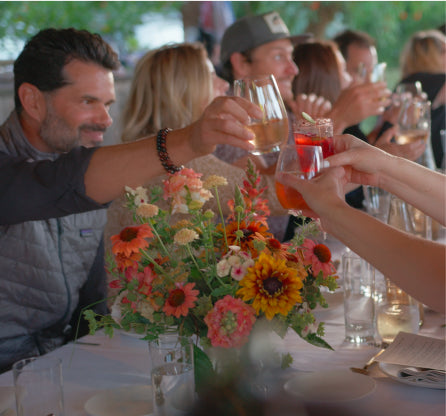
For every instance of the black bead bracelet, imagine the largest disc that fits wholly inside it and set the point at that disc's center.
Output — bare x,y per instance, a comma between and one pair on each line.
162,152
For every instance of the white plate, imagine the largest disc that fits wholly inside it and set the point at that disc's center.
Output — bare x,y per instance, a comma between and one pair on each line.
128,401
330,386
392,371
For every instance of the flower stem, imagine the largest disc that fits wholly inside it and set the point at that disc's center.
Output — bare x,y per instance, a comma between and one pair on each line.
222,218
193,259
159,238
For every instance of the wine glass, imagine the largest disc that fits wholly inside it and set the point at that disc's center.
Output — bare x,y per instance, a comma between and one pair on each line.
272,130
304,162
414,123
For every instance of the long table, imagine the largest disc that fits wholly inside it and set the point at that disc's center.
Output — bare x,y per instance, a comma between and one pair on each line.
98,364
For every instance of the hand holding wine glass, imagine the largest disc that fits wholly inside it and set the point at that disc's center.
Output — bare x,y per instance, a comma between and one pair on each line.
302,161
272,130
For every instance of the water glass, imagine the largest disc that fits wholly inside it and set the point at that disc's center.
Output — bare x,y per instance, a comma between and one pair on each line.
301,161
376,202
359,299
38,386
272,130
173,380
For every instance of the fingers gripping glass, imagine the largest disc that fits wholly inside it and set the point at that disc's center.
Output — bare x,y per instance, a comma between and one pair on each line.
302,161
272,130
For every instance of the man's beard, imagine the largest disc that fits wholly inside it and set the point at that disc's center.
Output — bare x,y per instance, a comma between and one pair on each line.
57,135
60,137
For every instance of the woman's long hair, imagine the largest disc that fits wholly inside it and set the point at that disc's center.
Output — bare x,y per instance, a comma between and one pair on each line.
319,71
170,88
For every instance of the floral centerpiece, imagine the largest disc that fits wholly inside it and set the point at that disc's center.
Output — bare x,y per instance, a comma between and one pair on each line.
215,279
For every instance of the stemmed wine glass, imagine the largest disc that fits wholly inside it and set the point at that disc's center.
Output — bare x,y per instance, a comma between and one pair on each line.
414,123
272,130
303,161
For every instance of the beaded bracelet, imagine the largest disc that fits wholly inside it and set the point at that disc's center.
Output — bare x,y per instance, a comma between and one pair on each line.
162,152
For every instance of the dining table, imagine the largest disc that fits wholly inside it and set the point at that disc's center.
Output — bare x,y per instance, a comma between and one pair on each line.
97,365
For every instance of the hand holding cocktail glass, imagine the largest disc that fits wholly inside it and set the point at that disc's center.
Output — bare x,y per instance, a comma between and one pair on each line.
303,162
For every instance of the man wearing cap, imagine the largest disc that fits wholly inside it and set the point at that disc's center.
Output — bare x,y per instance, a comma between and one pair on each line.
256,46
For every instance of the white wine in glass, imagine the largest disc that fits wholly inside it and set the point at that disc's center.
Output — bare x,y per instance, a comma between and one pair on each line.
272,130
414,123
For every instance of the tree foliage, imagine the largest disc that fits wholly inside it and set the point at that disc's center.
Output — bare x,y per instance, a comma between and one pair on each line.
115,20
391,22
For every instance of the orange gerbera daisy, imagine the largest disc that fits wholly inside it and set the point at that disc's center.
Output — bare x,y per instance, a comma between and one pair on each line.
181,299
248,233
272,286
131,240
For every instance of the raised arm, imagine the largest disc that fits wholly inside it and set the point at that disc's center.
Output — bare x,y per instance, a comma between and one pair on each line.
423,188
133,164
414,264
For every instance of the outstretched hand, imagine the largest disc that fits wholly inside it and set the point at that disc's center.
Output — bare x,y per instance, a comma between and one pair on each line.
224,122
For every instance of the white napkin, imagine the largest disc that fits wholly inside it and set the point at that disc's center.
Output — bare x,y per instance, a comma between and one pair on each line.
425,375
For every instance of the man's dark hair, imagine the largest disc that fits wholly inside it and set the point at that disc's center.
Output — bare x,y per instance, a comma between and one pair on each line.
45,55
348,37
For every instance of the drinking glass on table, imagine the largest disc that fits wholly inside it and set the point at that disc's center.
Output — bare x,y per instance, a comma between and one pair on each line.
173,379
38,386
359,299
272,130
302,161
318,132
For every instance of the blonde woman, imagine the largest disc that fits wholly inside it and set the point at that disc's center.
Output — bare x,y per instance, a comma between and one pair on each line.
423,59
171,87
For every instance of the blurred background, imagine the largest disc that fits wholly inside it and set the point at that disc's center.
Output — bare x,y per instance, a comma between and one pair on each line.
133,27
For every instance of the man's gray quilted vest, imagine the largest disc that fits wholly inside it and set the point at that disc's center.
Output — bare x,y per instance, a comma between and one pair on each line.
43,264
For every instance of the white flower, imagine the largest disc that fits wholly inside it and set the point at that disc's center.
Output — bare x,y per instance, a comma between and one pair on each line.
223,268
139,195
116,313
146,310
234,260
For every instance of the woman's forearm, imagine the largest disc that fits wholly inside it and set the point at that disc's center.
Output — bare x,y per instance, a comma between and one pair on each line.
419,186
414,264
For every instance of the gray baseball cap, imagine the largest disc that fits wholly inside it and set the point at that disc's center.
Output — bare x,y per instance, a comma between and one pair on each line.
252,31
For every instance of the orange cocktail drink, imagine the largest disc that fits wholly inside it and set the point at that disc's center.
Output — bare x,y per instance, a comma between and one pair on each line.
302,161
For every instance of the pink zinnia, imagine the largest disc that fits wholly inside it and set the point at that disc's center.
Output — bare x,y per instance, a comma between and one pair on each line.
317,256
181,299
229,322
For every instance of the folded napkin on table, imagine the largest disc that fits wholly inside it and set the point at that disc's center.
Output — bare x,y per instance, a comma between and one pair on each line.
426,375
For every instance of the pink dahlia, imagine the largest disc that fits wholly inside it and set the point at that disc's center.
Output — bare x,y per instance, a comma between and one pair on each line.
229,322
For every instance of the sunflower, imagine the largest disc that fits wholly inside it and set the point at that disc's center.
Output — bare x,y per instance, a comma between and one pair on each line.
272,286
131,239
243,235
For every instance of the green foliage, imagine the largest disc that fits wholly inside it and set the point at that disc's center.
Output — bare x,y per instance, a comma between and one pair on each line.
391,23
116,20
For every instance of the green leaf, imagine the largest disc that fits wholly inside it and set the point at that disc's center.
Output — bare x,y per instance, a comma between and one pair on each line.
313,339
204,371
222,291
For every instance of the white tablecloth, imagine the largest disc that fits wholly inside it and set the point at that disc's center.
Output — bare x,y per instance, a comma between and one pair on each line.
124,361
